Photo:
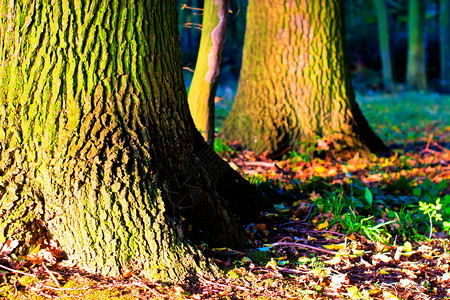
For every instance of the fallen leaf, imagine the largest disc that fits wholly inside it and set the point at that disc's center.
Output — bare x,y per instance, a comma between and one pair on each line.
353,292
334,261
311,238
260,227
320,169
382,257
389,296
272,264
245,259
127,273
357,252
407,246
323,225
178,289
444,278
338,280
42,255
335,246
329,236
8,247
332,172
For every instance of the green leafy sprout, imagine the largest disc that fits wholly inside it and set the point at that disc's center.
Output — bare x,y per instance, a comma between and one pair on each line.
432,210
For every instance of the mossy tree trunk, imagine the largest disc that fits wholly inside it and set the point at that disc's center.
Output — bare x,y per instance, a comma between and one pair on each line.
97,146
444,39
295,84
383,39
416,77
202,91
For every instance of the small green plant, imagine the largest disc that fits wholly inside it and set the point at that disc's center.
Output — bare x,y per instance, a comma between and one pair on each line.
220,146
296,157
353,222
313,262
333,202
354,212
446,226
405,223
431,210
429,190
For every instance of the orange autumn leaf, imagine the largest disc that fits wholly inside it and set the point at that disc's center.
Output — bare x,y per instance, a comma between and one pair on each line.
260,227
320,169
332,172
323,225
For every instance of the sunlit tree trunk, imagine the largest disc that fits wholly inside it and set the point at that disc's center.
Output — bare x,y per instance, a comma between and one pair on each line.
444,39
415,70
97,146
295,84
203,88
383,38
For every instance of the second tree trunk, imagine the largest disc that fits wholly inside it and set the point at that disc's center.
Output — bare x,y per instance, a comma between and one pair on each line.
295,84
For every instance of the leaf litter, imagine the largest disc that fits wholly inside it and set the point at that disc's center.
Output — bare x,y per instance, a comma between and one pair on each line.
295,251
348,228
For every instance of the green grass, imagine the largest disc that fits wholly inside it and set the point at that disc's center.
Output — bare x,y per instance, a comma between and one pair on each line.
407,116
391,209
397,117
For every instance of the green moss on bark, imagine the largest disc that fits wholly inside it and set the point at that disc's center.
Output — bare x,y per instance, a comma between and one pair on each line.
94,123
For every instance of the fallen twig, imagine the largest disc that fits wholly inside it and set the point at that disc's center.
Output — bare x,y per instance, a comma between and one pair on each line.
259,164
304,246
51,275
429,142
16,271
206,281
328,231
440,147
290,271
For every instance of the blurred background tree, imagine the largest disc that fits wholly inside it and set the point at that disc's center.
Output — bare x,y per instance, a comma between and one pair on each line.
294,87
416,77
384,43
202,92
444,39
363,47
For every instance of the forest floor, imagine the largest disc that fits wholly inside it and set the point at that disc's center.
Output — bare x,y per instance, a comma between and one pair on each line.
354,228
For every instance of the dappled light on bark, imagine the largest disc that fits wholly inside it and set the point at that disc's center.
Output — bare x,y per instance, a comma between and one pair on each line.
295,85
95,133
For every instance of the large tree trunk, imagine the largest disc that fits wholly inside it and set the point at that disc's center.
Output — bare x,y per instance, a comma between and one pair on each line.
97,146
383,39
416,77
202,92
444,39
295,84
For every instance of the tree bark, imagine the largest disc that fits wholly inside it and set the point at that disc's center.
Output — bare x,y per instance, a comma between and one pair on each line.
444,39
97,146
295,84
202,91
416,76
385,49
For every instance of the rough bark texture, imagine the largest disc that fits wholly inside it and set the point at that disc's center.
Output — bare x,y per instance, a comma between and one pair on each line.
383,38
97,147
202,91
444,39
416,77
295,85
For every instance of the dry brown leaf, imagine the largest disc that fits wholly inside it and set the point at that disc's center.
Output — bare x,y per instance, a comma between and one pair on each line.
8,247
